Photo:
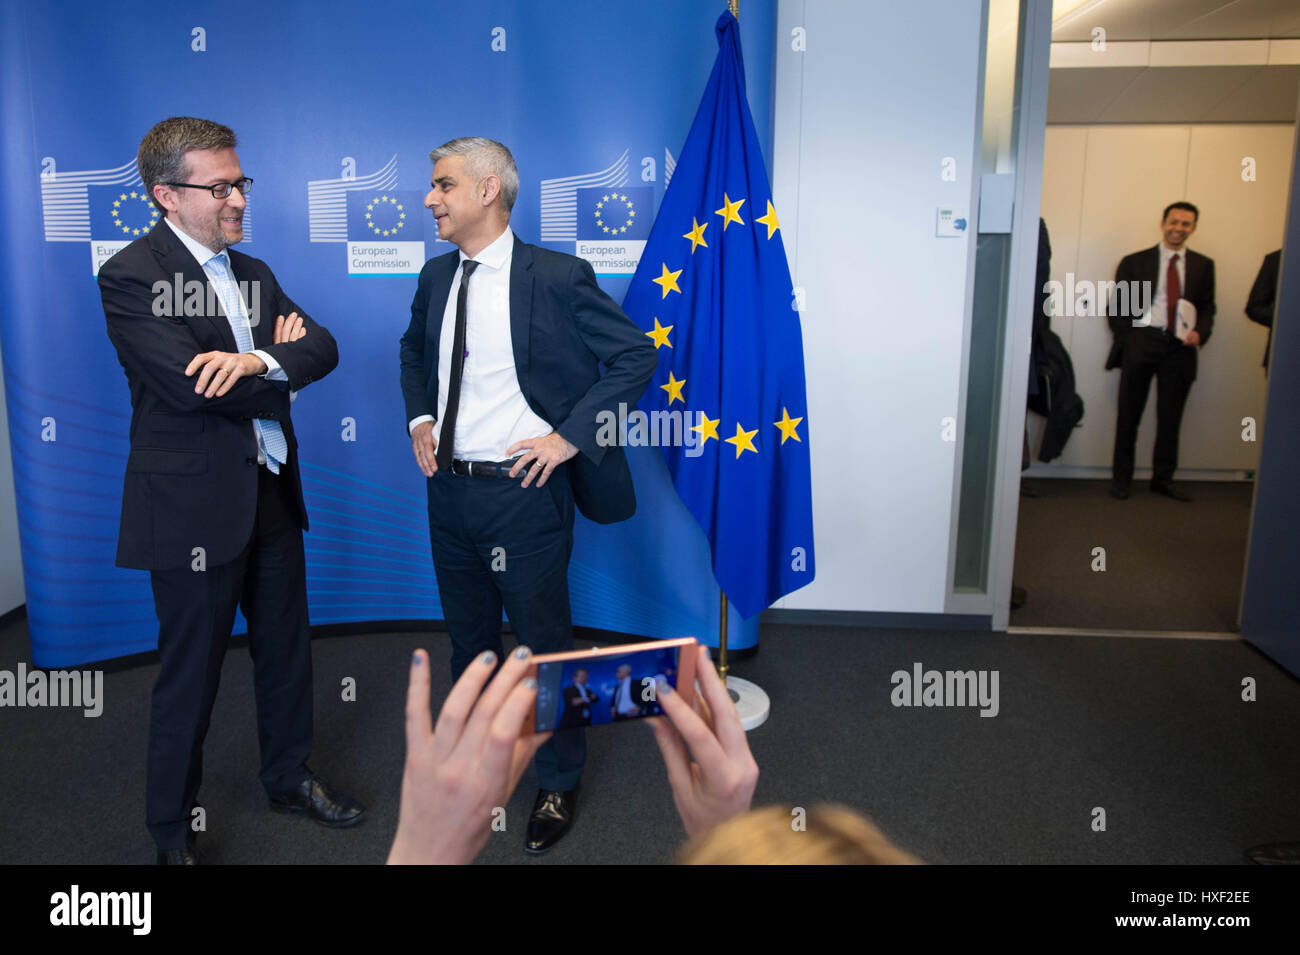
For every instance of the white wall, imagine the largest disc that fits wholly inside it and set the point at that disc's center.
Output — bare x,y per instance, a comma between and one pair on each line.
11,565
1104,189
864,119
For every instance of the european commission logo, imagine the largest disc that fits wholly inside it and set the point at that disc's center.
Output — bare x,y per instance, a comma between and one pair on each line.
106,208
607,220
383,227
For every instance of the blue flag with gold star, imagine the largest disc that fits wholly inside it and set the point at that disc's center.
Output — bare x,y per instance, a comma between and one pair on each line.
713,291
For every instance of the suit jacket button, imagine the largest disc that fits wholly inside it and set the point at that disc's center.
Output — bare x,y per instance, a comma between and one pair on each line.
250,460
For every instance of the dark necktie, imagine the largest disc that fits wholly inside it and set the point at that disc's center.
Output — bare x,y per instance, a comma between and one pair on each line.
447,437
1173,292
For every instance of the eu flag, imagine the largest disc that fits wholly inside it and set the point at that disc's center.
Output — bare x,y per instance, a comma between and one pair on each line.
713,291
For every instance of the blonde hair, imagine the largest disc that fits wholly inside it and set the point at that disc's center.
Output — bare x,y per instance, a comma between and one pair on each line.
832,835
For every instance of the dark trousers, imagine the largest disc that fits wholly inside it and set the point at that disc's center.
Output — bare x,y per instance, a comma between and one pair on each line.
1152,352
495,544
196,610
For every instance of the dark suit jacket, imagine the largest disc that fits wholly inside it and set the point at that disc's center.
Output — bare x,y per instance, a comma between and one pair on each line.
188,480
562,328
1262,303
573,707
1144,266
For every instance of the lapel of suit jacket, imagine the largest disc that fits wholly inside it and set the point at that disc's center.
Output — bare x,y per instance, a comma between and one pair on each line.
1153,269
175,260
439,289
521,310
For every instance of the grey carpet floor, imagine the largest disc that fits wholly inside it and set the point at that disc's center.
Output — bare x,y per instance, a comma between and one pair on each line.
1153,731
1169,565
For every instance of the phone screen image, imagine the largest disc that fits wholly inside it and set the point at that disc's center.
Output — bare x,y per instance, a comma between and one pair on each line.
608,689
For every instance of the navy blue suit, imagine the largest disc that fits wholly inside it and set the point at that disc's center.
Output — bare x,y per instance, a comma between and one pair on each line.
562,328
495,543
193,481
1152,351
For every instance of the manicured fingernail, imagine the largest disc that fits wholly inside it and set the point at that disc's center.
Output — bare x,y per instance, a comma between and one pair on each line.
530,683
487,658
662,688
416,659
523,653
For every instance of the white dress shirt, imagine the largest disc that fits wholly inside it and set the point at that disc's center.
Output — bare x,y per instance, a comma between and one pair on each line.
626,705
204,256
1157,315
493,413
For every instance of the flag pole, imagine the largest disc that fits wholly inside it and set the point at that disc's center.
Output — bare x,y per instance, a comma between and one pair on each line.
734,7
722,635
750,700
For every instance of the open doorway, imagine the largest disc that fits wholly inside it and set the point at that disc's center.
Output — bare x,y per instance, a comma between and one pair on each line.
1153,103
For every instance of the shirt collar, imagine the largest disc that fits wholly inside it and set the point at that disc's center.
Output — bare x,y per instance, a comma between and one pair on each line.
201,252
1167,253
497,253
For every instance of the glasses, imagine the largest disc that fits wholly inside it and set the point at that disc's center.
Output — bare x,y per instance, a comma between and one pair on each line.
219,190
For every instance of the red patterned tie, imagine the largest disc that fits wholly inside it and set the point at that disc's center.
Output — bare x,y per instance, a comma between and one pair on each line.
1173,292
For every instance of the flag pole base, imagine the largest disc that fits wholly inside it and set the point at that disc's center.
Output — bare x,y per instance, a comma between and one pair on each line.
752,704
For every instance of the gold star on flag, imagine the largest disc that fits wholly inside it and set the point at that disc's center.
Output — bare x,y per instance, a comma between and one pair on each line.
122,196
660,335
769,220
674,389
134,194
708,427
730,211
668,281
743,440
788,426
696,235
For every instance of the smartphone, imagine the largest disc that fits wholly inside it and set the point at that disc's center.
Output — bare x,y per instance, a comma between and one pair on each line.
583,688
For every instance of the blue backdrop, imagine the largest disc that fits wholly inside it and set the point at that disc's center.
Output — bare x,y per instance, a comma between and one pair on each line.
336,106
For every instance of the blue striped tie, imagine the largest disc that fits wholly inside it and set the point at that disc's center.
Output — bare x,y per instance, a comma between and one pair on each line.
270,434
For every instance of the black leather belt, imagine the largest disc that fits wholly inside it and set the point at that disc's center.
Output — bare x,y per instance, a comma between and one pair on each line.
488,469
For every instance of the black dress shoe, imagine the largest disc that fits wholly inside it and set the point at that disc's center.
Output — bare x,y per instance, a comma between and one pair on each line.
1275,853
552,816
1119,491
187,856
1169,490
314,798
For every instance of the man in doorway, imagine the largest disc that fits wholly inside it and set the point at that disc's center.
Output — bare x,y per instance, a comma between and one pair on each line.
1159,334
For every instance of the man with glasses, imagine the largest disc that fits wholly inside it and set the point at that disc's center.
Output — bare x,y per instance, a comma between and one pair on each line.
212,501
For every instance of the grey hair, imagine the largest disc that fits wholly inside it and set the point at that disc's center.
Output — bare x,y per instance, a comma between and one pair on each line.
484,157
161,157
